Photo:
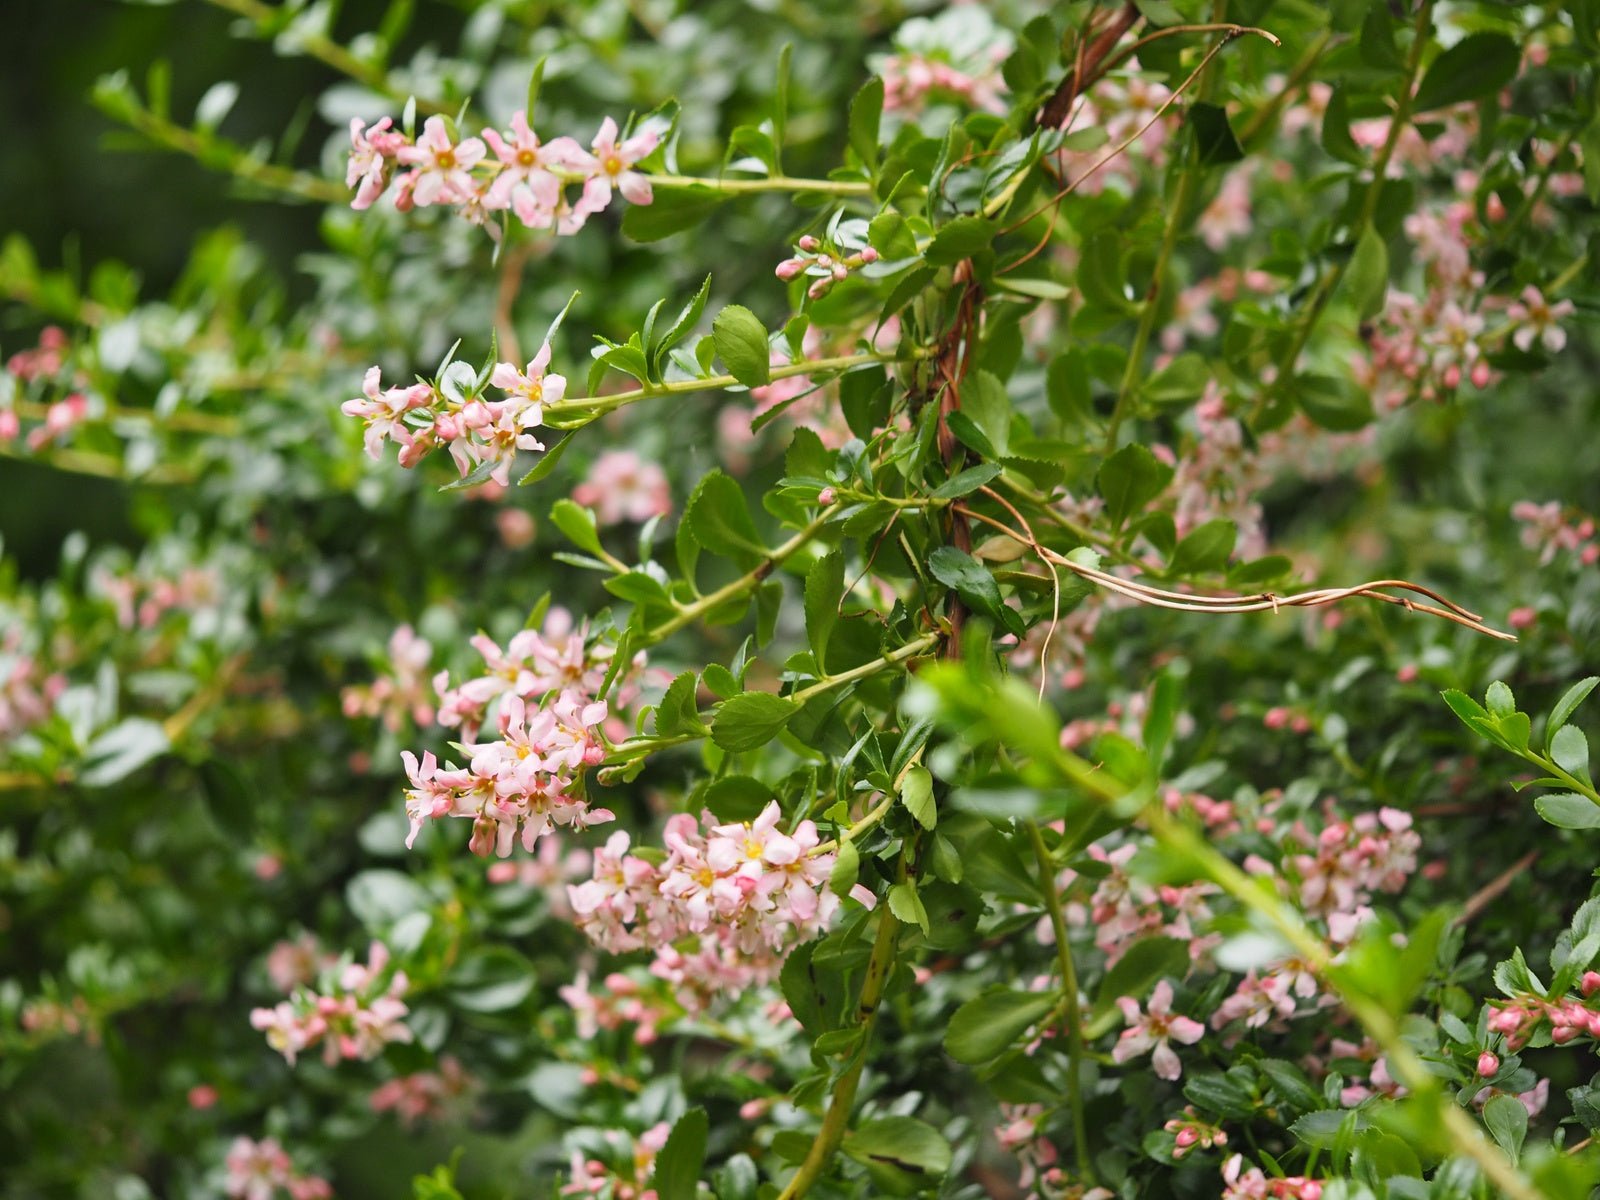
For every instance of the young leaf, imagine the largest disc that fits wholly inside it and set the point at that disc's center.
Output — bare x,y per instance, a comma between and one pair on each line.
1130,479
1568,704
866,111
677,1170
578,524
1568,810
824,590
741,342
916,793
720,519
906,904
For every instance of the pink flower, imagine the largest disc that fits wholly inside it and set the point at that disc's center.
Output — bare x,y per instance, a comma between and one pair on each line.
1153,1030
532,386
525,184
372,152
623,487
443,167
1536,318
610,165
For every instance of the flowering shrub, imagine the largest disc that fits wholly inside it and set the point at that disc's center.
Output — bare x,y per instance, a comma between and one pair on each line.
890,753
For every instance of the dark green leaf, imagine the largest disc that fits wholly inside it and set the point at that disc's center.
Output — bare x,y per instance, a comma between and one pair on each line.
750,720
677,1169
1479,65
741,342
986,1026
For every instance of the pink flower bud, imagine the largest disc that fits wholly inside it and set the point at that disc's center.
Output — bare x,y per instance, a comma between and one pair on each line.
1589,983
1276,718
826,497
1407,673
1488,1064
1187,1137
808,243
1480,374
790,267
1523,618
869,255
202,1096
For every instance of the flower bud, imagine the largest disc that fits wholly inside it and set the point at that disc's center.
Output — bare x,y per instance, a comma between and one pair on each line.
1589,983
808,243
1488,1064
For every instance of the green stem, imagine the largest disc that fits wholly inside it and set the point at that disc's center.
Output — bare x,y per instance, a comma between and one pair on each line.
1177,221
1329,282
837,1119
690,613
330,53
591,407
1379,1024
208,149
1074,1014
770,183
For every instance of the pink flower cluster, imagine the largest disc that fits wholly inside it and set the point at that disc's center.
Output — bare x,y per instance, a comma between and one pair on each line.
27,695
527,780
1570,1018
1190,1133
262,1170
1549,529
60,419
401,697
620,1000
421,417
1219,476
524,176
593,1176
1254,1184
43,360
425,1095
142,597
823,267
1123,910
621,486
747,890
1344,865
356,1013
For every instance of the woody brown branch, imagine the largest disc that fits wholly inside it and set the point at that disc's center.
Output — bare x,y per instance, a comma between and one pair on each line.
1058,108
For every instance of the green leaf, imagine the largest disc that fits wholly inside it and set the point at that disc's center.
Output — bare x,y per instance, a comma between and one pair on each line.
987,1025
1213,136
121,750
1207,548
736,798
380,897
720,520
1179,382
750,720
967,481
1333,403
846,869
741,341
493,980
677,714
916,793
1568,704
1479,65
958,239
680,328
1336,139
866,111
973,583
906,904
672,211
1570,750
547,461
902,1154
1366,279
824,591
1507,1122
1137,971
578,524
1130,479
1500,701
677,1170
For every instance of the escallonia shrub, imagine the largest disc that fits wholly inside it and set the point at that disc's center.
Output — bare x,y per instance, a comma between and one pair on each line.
891,756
